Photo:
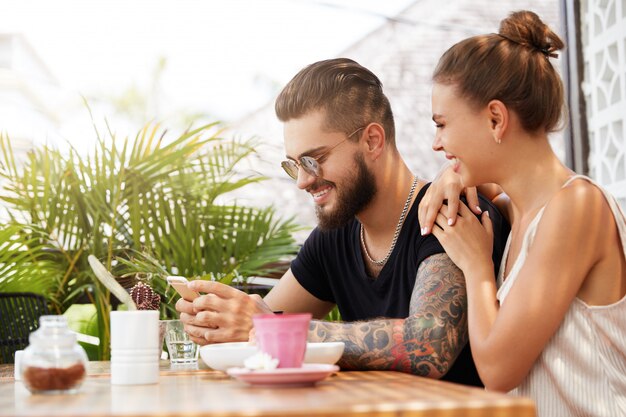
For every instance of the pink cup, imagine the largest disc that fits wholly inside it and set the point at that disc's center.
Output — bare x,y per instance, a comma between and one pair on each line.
283,336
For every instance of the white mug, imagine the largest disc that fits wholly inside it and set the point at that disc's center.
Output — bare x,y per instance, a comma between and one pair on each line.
134,347
137,329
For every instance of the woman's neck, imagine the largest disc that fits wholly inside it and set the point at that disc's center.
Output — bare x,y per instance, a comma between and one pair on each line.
532,177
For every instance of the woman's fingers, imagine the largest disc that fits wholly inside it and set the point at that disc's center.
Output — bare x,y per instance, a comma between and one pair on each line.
487,224
452,208
441,221
464,211
446,186
428,209
471,194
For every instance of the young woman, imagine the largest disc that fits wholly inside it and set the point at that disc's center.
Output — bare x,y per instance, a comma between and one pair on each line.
552,326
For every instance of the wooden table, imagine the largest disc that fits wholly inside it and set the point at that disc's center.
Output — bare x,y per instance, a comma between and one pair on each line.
197,391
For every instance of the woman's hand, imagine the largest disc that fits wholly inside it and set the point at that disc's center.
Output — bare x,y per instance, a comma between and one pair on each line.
468,242
446,186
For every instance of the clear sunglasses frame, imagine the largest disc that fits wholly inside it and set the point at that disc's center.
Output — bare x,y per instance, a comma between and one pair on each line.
310,164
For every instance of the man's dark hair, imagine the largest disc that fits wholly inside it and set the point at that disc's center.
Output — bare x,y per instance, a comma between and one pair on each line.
350,95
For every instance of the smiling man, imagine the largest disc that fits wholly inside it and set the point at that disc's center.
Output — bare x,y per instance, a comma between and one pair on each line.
402,300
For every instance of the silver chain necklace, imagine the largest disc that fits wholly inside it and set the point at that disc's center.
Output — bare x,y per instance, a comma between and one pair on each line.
405,210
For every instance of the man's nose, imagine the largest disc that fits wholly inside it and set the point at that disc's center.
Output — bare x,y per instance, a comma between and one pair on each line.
304,179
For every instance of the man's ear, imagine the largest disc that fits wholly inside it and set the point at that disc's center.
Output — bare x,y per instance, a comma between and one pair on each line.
374,140
498,118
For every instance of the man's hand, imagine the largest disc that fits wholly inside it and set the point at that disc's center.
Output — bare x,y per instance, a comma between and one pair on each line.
446,186
223,314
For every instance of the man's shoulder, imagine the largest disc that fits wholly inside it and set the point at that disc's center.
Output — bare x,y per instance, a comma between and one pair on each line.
421,192
494,212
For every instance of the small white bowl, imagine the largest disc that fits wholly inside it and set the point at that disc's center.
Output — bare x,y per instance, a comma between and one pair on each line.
221,356
324,352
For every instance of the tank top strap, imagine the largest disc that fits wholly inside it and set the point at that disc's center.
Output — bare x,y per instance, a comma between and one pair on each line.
618,213
577,177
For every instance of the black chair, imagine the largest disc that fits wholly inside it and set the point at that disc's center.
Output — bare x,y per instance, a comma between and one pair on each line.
19,316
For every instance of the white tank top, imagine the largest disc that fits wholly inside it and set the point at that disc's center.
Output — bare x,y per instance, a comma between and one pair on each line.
582,369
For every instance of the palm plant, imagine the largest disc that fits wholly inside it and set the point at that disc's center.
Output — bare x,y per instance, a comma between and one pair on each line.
144,206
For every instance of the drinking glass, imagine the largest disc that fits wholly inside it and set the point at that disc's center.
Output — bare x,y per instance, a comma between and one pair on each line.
180,347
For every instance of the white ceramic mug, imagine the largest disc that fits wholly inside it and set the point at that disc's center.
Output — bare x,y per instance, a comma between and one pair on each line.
138,329
134,347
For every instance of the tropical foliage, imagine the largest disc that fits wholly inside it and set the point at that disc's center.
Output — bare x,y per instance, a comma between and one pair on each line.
146,208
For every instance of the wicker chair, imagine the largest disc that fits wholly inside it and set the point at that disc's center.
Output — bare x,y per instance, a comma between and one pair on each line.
19,316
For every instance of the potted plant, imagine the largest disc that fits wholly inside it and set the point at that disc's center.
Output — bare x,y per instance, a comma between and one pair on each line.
146,208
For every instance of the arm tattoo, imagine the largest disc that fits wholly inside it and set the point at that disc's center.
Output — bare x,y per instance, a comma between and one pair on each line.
426,343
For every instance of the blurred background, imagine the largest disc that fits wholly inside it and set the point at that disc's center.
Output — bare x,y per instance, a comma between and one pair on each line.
184,62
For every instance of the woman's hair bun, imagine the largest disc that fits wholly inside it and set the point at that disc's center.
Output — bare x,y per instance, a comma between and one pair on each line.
527,29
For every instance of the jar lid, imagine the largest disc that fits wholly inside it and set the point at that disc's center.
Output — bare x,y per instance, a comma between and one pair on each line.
53,330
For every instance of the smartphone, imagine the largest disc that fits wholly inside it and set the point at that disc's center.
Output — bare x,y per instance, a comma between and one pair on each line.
180,285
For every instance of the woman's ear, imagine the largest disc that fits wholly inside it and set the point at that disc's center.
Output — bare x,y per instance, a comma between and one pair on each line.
499,119
374,140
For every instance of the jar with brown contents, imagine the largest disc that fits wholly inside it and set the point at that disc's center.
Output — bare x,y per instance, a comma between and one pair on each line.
53,363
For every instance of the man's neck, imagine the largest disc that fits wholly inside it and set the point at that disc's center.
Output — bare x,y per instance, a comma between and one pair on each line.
380,217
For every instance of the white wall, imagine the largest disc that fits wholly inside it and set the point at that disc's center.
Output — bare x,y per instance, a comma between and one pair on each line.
604,52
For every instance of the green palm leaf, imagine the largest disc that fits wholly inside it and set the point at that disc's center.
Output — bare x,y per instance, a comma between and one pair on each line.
147,205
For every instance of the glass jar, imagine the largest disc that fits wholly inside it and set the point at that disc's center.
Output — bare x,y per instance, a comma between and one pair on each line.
53,362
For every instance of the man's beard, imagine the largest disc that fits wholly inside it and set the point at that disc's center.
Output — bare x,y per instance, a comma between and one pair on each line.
358,193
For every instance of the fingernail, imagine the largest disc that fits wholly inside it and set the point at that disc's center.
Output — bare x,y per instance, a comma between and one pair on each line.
449,222
479,209
487,213
423,230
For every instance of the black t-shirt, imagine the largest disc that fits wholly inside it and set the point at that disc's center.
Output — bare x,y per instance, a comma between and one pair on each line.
331,267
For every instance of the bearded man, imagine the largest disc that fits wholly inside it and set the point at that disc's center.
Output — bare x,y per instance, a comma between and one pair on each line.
402,300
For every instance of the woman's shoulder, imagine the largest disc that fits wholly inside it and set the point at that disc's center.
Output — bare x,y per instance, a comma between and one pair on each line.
578,208
580,196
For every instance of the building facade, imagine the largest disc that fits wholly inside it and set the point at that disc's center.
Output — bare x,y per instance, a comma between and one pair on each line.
603,41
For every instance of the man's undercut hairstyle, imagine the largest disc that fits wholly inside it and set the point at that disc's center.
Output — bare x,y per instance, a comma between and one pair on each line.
350,96
512,66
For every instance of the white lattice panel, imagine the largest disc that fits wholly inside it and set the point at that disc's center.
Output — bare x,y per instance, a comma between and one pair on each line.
604,52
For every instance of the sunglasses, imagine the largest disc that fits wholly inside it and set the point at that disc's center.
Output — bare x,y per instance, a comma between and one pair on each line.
311,165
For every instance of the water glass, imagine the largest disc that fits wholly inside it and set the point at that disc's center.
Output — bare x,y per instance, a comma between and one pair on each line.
162,325
180,347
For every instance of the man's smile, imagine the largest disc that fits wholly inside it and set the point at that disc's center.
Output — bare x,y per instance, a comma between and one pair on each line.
319,193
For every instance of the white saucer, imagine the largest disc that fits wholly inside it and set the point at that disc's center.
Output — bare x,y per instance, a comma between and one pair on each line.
309,374
221,356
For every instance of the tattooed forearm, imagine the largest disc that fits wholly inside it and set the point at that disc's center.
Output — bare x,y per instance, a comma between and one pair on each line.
364,341
425,343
